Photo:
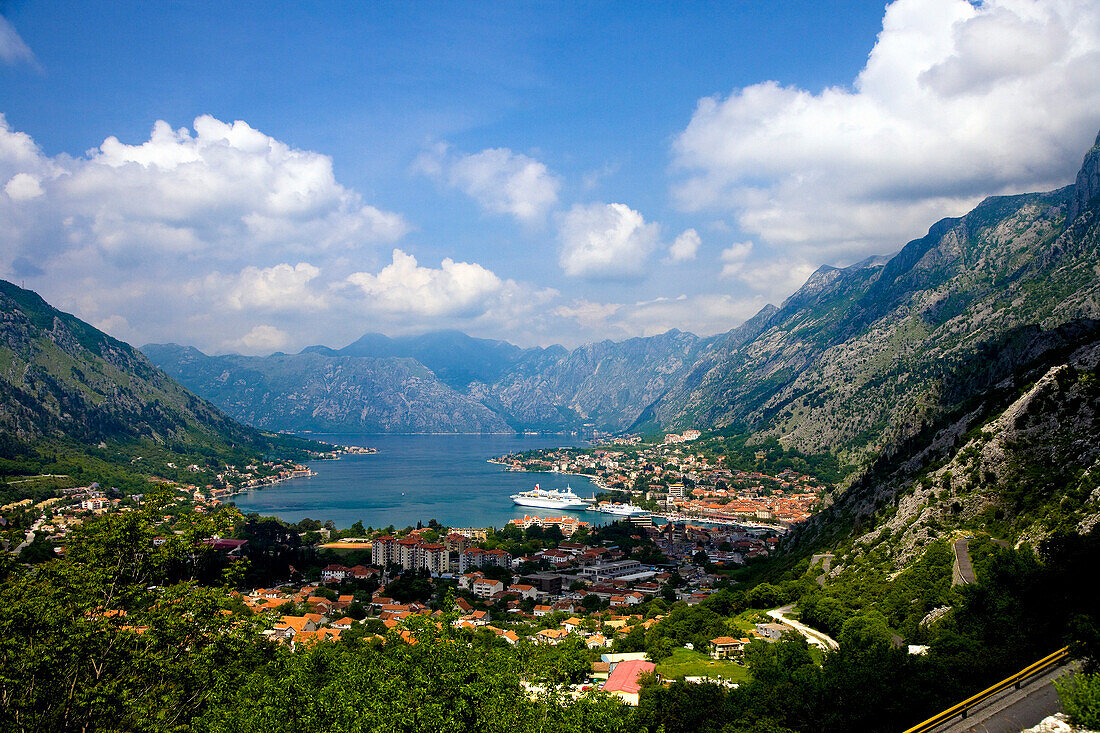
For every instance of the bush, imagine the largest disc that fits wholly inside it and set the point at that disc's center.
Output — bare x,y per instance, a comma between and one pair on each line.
1080,694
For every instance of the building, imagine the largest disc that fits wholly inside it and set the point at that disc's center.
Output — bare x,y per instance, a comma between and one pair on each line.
567,525
726,647
607,570
384,552
487,587
623,679
773,631
477,534
334,573
549,583
434,558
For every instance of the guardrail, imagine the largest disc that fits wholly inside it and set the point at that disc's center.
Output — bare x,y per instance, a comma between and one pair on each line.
1016,680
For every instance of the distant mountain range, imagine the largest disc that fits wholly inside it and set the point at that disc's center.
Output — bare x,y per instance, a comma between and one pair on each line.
444,381
960,377
857,359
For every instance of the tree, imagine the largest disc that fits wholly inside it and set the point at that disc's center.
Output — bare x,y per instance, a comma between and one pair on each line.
764,595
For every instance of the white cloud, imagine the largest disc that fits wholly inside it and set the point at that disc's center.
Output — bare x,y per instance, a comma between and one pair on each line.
13,50
403,286
774,279
283,287
957,101
686,246
733,258
23,187
262,339
222,192
609,241
502,182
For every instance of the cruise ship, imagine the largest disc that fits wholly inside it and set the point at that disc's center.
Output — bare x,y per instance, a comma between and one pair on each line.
550,498
624,510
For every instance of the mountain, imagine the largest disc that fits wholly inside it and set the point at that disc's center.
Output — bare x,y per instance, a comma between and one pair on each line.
869,356
454,357
858,360
66,387
439,382
328,392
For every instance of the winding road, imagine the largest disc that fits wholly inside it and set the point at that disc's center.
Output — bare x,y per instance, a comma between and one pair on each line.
30,536
962,573
814,636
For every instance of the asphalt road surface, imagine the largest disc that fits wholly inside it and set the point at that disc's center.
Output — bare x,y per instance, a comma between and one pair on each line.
963,572
1014,710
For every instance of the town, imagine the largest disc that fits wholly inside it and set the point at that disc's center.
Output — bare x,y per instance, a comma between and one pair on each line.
682,479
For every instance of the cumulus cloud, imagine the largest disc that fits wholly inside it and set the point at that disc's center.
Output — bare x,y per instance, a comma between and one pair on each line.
733,258
685,247
219,192
262,339
404,286
13,49
611,241
283,287
500,181
23,187
957,101
192,234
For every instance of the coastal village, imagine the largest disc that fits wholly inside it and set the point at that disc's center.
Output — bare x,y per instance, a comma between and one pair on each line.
542,580
680,484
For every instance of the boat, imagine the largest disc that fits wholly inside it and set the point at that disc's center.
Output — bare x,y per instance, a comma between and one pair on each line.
623,510
550,498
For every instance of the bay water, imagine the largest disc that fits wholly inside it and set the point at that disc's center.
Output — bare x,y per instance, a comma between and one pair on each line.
416,478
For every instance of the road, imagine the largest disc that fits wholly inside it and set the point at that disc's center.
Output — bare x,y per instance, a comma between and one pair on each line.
1014,710
30,536
826,564
962,573
814,636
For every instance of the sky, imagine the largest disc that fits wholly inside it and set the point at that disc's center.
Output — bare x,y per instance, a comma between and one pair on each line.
259,177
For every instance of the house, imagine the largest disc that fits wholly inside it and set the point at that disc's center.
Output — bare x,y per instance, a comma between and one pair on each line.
550,636
543,610
726,647
623,679
571,624
772,631
595,641
523,591
334,573
296,624
344,623
487,588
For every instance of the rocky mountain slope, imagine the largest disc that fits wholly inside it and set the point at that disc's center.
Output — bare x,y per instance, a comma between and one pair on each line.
438,382
321,392
1004,435
864,358
64,383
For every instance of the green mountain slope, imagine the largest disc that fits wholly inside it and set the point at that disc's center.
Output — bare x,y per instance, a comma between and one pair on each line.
66,388
865,358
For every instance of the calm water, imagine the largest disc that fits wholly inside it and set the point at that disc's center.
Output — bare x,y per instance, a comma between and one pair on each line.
417,478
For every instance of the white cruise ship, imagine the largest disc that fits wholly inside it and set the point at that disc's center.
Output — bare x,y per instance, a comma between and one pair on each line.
625,510
550,498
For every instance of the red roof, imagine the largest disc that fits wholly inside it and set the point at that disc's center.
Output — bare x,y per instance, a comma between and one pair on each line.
624,678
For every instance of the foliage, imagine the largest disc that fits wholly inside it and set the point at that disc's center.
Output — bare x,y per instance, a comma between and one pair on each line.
1080,696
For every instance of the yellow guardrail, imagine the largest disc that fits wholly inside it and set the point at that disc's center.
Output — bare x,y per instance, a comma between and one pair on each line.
964,707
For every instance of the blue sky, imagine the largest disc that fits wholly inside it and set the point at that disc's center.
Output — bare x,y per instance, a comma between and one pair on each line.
550,172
